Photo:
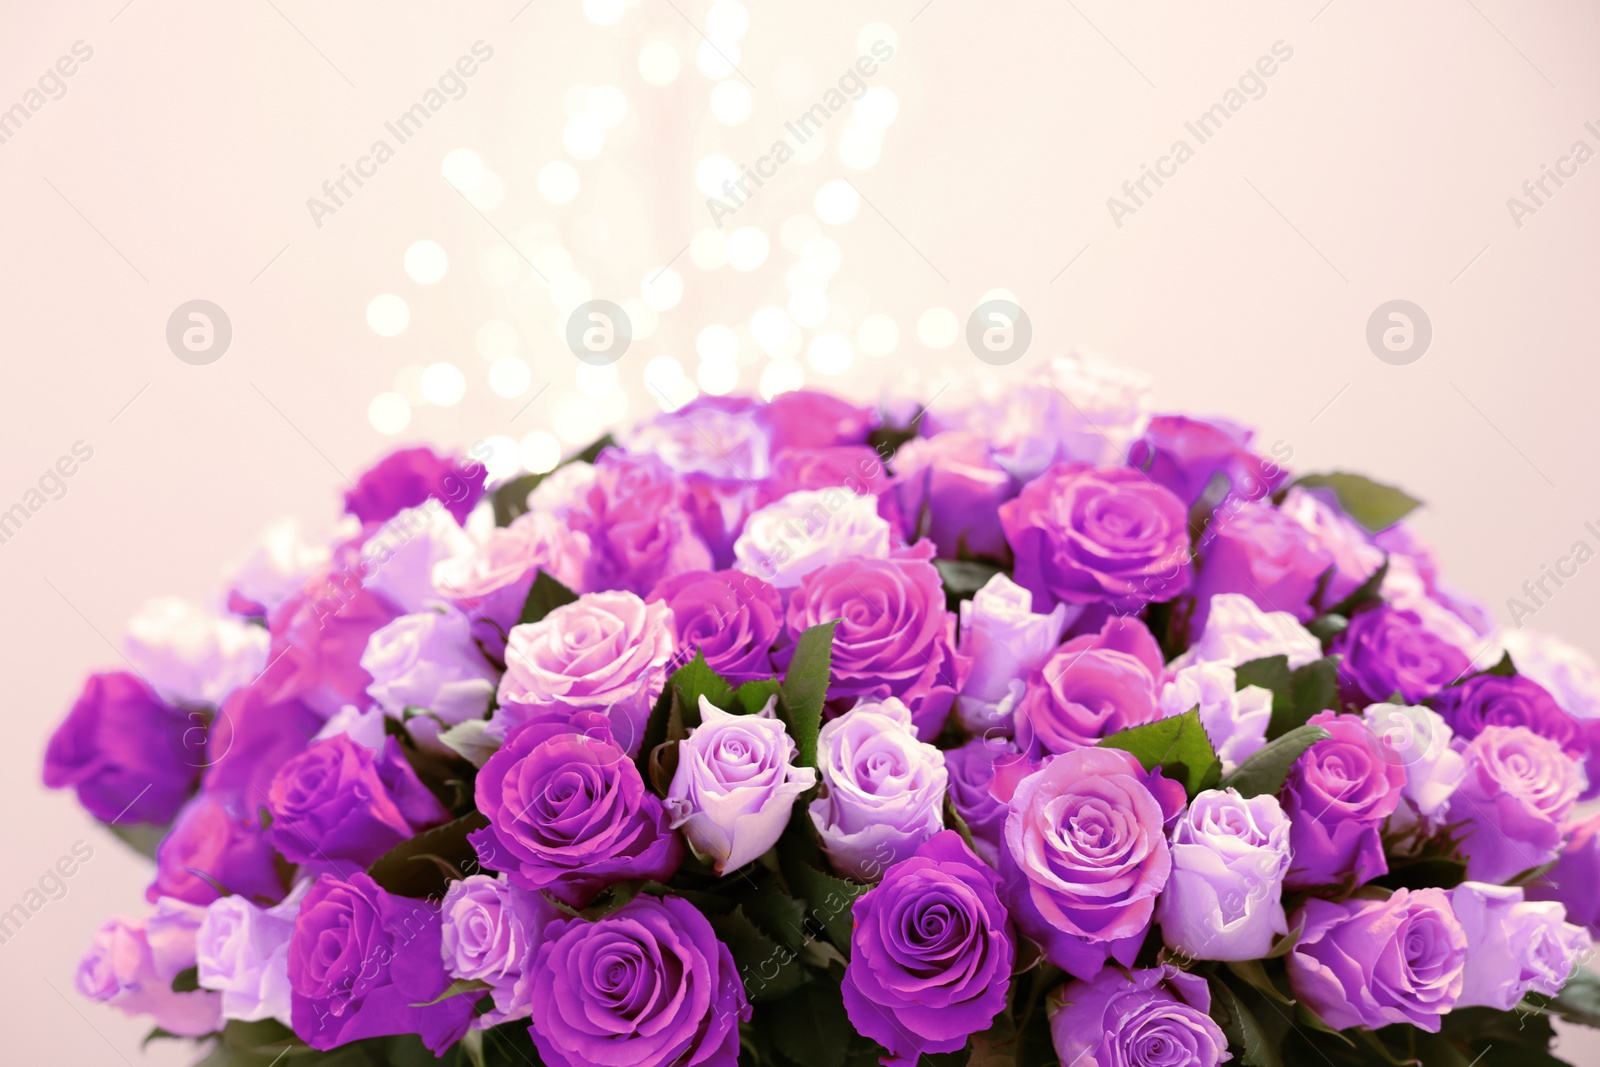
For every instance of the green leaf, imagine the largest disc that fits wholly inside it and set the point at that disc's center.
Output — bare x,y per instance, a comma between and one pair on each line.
1364,594
963,578
470,740
751,697
511,499
1316,688
1239,1024
142,837
1178,745
411,868
809,1027
1264,771
186,980
1373,504
1296,695
804,689
768,969
544,596
886,440
1578,1002
694,680
1254,973
459,987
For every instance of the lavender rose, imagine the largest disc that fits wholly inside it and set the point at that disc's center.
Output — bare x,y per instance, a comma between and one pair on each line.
807,530
568,812
490,933
1006,642
730,617
491,582
1514,946
1091,687
1355,557
339,800
1569,674
1155,1016
605,652
1224,900
1184,454
930,953
952,479
1374,963
409,478
131,965
1492,700
805,418
883,790
366,963
1236,631
1086,535
428,660
1419,740
639,531
1337,795
1086,855
647,986
1387,651
131,757
1572,880
217,840
972,769
1515,800
191,655
1235,719
735,785
242,952
855,468
319,636
1257,551
895,637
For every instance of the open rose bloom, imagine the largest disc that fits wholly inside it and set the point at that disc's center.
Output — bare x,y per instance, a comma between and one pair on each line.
1042,728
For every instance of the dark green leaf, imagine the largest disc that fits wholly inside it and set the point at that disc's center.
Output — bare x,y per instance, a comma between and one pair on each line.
694,680
544,596
143,838
1373,504
410,869
768,904
1326,627
751,697
886,440
1578,1001
1178,745
459,987
805,688
1316,688
1239,1024
656,729
768,969
1505,668
809,1027
1267,767
1430,872
186,980
963,578
1364,594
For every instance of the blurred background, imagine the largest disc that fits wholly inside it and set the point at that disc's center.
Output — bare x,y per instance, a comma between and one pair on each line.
391,213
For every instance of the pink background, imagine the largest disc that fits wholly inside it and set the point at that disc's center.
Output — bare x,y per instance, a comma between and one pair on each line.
1376,166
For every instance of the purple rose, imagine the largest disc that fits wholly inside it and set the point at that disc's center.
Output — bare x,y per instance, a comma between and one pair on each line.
895,637
1258,551
1091,687
1155,1016
1514,946
131,965
883,790
339,800
1355,557
218,840
1085,855
972,768
1224,900
319,636
1337,795
1492,700
568,812
735,785
491,931
930,953
251,738
805,418
491,582
605,652
1184,454
1098,535
639,532
1387,651
429,660
647,986
410,477
366,963
1374,963
732,618
953,483
1514,802
1573,879
856,468
129,756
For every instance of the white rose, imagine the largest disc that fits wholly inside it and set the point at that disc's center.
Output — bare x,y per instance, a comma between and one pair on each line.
1234,719
809,529
428,660
1419,739
1224,898
1007,642
1237,632
398,560
191,655
1514,946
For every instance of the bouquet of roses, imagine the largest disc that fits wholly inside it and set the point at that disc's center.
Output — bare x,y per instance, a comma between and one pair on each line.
796,733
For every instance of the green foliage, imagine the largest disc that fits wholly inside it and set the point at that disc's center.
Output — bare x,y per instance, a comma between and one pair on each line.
1373,504
1296,695
1264,771
424,865
511,499
805,689
544,596
963,578
1178,745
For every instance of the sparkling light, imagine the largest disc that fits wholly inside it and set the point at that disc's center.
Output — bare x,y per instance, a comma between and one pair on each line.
837,202
808,307
797,232
747,248
500,456
443,384
727,21
659,63
558,181
877,107
583,137
823,255
462,168
597,381
804,275
781,376
871,34
717,61
540,452
938,327
388,315
709,250
667,383
389,413
717,343
426,262
830,353
878,335
496,339
606,105
662,289
604,12
488,194
499,266
509,377
772,328
718,377
714,172
858,148
730,102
